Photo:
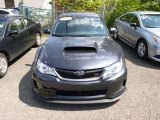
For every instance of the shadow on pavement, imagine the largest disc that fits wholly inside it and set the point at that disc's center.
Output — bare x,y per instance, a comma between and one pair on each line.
26,96
131,55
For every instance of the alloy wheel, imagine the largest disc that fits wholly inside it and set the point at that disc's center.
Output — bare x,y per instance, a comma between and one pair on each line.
3,65
115,35
38,39
141,49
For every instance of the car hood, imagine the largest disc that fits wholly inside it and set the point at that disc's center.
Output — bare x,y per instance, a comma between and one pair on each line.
154,31
79,53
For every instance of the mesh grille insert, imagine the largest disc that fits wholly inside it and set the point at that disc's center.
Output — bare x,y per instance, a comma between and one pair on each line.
73,74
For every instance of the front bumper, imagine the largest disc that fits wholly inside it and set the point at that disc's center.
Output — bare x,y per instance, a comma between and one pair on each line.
54,90
80,101
154,52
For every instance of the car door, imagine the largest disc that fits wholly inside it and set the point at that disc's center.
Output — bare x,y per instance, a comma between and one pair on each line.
32,30
134,32
27,39
119,24
122,26
14,42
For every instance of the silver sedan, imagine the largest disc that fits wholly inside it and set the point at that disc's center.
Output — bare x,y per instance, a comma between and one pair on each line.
140,30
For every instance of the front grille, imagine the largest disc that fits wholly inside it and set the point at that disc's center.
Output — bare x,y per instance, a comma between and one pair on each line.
73,74
81,93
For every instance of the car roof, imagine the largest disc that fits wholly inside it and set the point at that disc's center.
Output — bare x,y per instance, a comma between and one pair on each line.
7,10
79,14
7,16
145,12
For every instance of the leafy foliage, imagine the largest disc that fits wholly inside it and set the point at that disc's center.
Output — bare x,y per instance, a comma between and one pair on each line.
79,5
123,6
114,8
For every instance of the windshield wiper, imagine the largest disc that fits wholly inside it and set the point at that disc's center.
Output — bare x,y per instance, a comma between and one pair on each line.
80,35
83,35
58,35
151,27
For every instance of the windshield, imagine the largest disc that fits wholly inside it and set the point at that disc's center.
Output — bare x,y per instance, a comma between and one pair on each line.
151,20
2,25
80,26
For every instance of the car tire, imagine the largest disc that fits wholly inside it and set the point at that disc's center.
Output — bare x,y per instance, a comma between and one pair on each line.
115,35
142,49
3,65
38,40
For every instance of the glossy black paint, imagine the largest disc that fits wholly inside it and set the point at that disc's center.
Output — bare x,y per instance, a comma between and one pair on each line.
14,43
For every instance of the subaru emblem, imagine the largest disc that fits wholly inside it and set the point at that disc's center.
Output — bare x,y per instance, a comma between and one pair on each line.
79,73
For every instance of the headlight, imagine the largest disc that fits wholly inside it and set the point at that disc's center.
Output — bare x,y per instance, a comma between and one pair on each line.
45,69
113,69
156,39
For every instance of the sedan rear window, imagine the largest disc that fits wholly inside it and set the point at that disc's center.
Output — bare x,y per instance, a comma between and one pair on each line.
80,26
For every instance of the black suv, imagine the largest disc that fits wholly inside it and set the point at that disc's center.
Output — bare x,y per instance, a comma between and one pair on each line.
79,63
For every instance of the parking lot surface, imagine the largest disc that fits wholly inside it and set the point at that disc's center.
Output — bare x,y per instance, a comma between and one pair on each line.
142,101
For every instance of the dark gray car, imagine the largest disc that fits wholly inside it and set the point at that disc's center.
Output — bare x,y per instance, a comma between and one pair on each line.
79,63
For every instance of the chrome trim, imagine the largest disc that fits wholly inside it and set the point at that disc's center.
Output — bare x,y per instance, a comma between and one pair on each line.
73,80
79,73
156,59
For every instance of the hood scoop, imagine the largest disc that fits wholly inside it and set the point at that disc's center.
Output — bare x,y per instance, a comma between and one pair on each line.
80,50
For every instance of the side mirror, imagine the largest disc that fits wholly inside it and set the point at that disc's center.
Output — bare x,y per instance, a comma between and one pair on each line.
12,32
113,31
46,30
133,25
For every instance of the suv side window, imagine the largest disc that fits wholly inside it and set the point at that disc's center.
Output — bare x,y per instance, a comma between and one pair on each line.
134,19
17,24
126,18
28,22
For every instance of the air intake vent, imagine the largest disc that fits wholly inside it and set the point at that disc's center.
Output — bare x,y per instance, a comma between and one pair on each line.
80,50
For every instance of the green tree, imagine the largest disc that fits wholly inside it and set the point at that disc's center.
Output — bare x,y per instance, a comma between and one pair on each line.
123,6
114,8
120,7
81,5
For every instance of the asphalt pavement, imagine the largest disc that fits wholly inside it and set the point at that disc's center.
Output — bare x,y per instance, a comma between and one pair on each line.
142,101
